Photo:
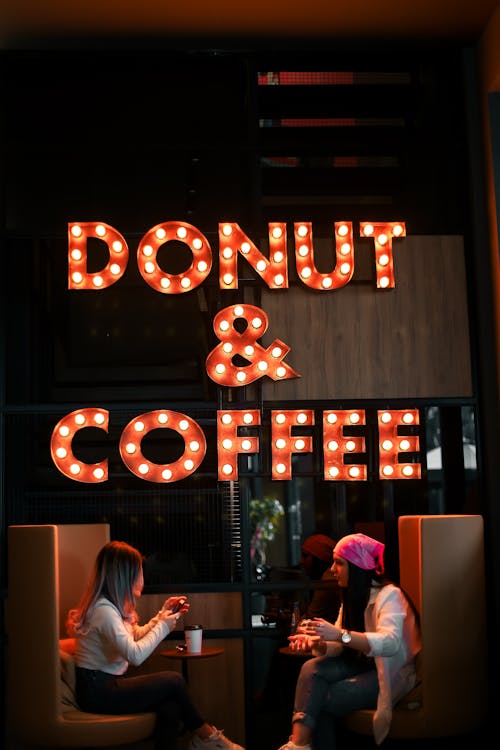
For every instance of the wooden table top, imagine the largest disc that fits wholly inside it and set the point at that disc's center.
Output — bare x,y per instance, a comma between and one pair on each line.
206,651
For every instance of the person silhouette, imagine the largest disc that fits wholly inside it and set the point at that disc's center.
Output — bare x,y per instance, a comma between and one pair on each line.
317,561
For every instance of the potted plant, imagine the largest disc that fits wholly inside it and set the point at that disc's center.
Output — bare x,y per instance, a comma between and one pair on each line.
265,514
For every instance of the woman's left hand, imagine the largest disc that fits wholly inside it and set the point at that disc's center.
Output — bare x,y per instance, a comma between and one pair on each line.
177,604
321,628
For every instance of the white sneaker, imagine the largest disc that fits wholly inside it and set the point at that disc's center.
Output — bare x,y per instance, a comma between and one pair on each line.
216,741
292,746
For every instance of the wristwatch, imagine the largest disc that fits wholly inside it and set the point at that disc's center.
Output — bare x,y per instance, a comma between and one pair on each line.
345,637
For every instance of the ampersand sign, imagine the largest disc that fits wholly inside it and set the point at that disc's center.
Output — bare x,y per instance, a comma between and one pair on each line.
242,346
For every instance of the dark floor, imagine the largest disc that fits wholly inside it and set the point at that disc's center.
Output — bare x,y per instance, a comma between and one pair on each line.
272,730
271,739
349,741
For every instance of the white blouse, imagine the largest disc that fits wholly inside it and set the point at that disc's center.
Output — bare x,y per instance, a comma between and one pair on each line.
110,644
394,637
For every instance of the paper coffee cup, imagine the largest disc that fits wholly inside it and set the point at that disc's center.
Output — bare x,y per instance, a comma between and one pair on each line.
193,635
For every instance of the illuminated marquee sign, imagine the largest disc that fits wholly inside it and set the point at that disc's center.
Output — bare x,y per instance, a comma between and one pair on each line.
395,440
241,346
232,241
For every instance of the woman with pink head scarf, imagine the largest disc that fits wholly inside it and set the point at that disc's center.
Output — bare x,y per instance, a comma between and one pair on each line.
365,660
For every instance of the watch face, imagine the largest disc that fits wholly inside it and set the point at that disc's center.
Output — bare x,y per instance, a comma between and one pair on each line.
346,637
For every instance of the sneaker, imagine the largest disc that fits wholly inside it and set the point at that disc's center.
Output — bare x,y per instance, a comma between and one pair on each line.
292,746
216,741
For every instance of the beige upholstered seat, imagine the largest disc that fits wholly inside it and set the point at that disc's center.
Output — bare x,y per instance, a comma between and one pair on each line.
441,561
48,567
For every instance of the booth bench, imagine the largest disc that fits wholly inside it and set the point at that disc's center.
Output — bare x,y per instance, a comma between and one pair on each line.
48,567
441,563
441,560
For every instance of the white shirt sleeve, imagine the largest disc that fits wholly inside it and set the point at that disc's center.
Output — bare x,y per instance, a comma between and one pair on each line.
118,636
384,621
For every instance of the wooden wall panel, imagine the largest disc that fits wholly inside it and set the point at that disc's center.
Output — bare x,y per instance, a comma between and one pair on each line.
362,343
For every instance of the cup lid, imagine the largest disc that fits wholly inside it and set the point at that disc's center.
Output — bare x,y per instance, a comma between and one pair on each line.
193,627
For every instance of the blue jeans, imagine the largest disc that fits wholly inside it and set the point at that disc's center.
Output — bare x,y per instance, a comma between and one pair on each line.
163,693
330,687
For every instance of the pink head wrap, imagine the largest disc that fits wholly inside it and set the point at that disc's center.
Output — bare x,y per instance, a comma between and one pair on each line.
362,550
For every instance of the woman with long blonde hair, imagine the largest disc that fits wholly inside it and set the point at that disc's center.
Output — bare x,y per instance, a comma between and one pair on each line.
109,638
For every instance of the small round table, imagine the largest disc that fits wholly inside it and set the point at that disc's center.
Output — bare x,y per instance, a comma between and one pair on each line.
185,657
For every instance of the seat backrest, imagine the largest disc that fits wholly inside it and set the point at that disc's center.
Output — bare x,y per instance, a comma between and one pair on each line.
48,566
442,570
77,548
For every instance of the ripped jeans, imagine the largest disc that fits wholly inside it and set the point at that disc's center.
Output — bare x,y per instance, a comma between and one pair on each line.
330,687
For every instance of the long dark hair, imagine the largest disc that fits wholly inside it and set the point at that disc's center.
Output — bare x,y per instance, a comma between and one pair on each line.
356,594
115,571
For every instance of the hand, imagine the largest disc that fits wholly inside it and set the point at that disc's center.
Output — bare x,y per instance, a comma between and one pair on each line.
176,604
304,626
302,642
170,618
321,628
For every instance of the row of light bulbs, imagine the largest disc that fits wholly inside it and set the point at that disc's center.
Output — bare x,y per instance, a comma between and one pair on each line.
232,239
230,444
